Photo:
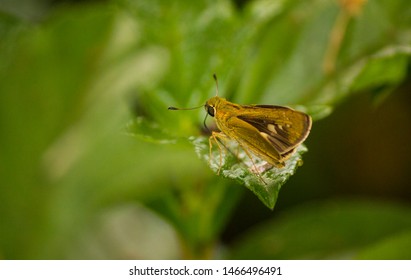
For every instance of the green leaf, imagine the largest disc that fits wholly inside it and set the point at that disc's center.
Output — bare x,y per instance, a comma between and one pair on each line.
386,67
233,162
148,131
341,229
394,247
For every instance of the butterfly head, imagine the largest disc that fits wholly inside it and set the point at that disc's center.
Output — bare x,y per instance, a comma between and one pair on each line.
211,105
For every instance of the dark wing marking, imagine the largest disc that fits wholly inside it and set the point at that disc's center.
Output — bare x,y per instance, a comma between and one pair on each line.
274,133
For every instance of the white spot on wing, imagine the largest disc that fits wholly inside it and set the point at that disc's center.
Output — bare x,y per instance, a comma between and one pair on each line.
271,127
265,135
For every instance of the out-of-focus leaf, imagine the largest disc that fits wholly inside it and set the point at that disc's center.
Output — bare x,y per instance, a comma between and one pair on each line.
335,229
126,231
148,131
199,213
393,247
386,67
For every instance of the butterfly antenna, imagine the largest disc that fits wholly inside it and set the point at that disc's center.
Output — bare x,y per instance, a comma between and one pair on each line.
175,108
216,84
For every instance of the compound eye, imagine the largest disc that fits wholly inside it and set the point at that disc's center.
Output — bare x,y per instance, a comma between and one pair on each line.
210,110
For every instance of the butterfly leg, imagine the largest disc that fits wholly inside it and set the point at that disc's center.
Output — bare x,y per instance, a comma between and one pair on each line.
257,173
217,136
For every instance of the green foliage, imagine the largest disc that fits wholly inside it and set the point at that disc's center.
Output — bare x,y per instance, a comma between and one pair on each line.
84,123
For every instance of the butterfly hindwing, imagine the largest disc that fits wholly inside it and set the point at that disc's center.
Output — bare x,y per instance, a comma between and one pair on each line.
283,127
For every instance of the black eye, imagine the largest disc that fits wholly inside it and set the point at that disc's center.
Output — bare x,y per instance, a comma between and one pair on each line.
210,110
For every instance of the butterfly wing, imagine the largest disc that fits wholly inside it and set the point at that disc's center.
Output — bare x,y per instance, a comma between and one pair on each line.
283,127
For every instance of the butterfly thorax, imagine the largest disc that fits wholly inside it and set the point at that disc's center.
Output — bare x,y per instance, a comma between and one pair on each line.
218,106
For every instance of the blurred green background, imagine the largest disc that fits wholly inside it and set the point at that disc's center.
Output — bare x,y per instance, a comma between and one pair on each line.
93,166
